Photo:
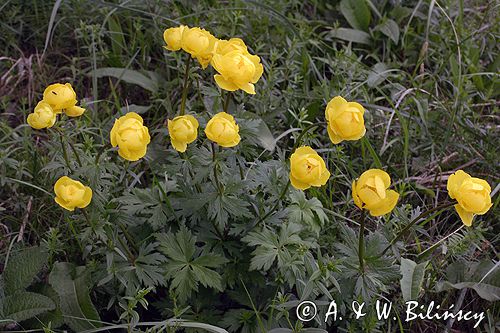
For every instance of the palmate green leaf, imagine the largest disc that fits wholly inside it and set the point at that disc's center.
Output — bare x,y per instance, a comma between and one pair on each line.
22,268
271,246
148,265
306,211
413,277
72,285
187,265
24,305
357,13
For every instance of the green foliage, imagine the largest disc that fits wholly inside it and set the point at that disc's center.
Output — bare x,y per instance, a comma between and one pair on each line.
212,239
22,268
72,286
189,265
412,278
23,305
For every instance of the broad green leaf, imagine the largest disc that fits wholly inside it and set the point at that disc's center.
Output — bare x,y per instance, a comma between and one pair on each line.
148,81
357,13
413,276
72,286
379,72
391,29
24,305
483,277
22,268
351,35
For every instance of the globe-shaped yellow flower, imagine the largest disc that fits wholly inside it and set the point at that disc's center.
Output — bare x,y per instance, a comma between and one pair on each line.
71,194
371,192
199,43
182,130
42,117
345,120
237,69
60,96
307,169
173,37
131,137
472,194
223,130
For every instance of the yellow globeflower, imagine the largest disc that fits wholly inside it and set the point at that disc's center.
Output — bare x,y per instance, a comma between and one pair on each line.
71,194
42,117
371,192
60,96
173,37
307,169
182,130
222,129
237,69
345,120
472,194
199,43
131,137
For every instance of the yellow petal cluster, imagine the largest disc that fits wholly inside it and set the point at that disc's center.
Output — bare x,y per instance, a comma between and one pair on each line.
42,117
199,43
472,194
345,120
57,98
71,194
182,130
371,192
131,137
307,169
237,69
223,130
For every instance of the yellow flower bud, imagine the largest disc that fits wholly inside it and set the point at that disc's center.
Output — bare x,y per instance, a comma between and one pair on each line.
71,194
42,117
173,37
74,111
223,130
345,120
237,69
60,96
199,43
473,195
371,192
182,130
131,137
307,169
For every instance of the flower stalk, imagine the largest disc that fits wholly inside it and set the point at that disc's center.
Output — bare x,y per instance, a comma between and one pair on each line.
361,245
441,208
185,86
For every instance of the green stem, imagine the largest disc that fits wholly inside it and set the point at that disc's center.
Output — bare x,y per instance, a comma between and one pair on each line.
65,152
430,249
415,220
361,247
128,237
185,86
226,102
216,177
